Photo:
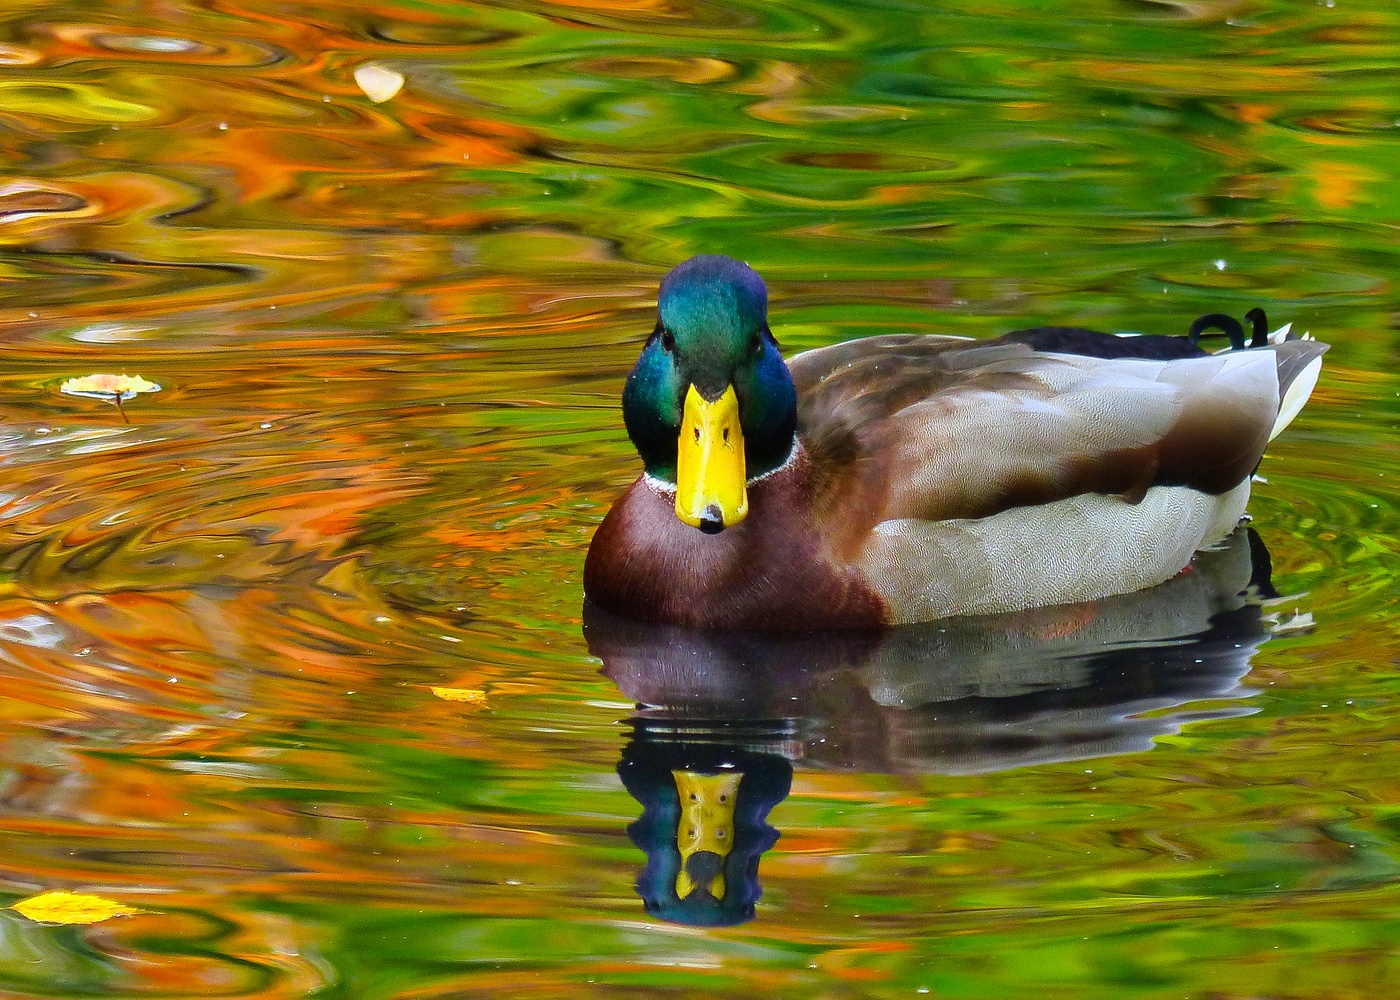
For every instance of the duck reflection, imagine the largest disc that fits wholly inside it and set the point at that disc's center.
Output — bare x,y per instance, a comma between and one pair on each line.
721,715
705,800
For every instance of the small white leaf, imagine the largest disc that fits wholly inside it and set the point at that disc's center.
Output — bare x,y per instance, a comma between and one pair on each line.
378,82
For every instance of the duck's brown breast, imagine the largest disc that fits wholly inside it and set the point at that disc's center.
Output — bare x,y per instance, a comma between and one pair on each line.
770,571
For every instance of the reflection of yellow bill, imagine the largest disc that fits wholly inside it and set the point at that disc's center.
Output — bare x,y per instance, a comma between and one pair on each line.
706,823
710,481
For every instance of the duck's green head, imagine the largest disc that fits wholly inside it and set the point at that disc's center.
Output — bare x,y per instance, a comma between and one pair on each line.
710,404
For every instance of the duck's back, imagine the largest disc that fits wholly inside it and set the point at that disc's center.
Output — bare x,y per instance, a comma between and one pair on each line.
999,477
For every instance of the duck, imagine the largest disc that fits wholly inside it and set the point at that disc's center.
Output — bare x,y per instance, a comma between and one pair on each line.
909,478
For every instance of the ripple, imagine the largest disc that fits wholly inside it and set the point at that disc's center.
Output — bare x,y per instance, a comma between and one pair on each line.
1340,126
791,112
19,55
32,630
440,35
197,953
864,161
76,103
22,199
694,70
102,41
161,44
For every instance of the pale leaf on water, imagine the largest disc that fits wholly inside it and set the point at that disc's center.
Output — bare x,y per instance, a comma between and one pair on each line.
378,82
108,387
1295,624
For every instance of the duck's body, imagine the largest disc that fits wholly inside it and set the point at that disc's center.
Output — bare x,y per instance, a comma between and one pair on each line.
936,476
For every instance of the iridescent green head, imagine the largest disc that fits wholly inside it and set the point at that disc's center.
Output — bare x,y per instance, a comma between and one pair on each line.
710,404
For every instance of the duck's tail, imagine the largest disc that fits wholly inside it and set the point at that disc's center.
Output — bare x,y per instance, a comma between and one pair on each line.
1299,364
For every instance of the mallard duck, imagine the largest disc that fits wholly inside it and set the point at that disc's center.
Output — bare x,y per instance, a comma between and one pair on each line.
900,479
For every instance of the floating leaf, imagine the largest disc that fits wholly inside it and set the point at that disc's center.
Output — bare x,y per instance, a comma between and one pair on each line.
1296,624
378,82
471,696
108,387
71,908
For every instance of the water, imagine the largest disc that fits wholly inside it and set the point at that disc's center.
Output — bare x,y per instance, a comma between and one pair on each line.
390,339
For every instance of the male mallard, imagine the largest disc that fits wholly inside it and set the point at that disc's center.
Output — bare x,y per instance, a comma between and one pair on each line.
908,478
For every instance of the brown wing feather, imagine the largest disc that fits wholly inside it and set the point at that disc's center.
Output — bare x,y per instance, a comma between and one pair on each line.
939,427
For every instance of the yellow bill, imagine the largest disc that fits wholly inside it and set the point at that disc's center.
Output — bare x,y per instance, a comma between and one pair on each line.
710,483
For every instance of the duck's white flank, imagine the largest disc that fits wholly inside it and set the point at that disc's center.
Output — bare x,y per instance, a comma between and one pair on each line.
1078,549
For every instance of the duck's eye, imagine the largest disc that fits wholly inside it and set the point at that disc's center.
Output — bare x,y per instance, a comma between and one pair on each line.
756,343
668,342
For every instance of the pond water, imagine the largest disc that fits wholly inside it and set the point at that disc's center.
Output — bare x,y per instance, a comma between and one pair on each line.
292,651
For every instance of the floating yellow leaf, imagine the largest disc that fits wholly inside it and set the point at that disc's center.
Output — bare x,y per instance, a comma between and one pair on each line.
472,696
378,82
71,908
108,387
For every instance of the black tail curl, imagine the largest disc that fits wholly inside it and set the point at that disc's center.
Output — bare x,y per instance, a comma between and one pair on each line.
1258,320
1073,340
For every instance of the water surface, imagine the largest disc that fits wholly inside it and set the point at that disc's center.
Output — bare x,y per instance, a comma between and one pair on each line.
390,340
